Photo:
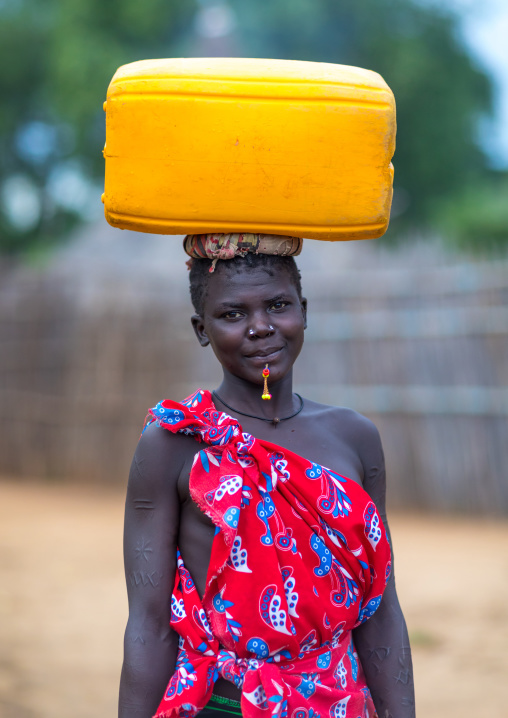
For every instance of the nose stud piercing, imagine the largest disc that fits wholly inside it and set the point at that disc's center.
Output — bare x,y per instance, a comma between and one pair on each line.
252,332
266,373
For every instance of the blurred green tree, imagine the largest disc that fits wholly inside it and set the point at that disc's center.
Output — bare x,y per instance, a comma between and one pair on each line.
56,60
57,57
441,95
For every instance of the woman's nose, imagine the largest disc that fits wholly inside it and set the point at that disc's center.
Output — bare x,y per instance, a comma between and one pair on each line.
260,329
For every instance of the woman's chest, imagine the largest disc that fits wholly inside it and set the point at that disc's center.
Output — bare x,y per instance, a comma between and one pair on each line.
319,443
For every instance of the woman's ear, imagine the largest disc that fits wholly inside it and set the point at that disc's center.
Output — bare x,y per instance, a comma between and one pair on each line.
304,312
199,330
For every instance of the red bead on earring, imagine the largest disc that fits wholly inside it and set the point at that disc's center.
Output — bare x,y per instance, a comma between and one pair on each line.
266,373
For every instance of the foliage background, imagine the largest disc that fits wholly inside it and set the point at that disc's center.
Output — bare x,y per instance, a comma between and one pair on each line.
57,57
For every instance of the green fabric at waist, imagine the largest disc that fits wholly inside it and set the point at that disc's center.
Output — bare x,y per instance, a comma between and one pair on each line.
225,705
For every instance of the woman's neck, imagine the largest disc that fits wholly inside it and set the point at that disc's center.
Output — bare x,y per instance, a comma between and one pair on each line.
246,397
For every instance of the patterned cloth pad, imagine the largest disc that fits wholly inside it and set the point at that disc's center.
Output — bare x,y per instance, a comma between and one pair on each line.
227,246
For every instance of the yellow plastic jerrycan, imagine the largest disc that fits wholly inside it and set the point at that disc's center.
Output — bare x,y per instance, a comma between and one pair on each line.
249,145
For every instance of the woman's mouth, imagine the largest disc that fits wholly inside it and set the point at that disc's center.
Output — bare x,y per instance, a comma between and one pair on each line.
266,355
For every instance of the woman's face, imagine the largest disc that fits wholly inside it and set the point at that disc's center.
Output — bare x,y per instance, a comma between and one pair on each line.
252,319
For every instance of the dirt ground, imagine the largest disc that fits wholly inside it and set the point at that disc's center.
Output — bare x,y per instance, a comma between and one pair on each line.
63,606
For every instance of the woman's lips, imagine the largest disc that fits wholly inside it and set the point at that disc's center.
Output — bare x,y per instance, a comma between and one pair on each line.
266,355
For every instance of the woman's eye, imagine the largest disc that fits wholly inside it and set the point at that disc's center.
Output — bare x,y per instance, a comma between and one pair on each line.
279,305
232,315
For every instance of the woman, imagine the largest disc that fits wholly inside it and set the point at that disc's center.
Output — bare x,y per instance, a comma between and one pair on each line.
284,598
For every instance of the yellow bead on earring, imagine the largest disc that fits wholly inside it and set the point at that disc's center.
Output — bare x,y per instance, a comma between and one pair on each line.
266,373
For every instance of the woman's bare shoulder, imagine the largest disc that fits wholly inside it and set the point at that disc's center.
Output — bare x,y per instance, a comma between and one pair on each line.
349,425
163,454
342,417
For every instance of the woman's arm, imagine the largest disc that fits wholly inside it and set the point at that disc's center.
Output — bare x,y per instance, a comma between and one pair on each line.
382,642
150,540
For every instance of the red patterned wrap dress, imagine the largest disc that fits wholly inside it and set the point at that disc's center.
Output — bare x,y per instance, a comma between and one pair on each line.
299,558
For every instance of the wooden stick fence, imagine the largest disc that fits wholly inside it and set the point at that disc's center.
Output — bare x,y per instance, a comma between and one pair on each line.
423,352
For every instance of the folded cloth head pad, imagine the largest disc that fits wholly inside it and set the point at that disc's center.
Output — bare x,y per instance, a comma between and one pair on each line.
227,246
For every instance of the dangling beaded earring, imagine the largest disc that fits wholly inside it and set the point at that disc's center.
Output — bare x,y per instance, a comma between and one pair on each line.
266,373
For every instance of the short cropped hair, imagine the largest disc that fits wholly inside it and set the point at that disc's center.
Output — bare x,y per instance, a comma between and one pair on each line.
199,273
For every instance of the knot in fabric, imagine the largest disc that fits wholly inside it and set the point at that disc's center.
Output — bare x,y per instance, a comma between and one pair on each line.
261,682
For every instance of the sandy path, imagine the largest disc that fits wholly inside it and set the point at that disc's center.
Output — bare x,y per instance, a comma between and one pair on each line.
63,608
